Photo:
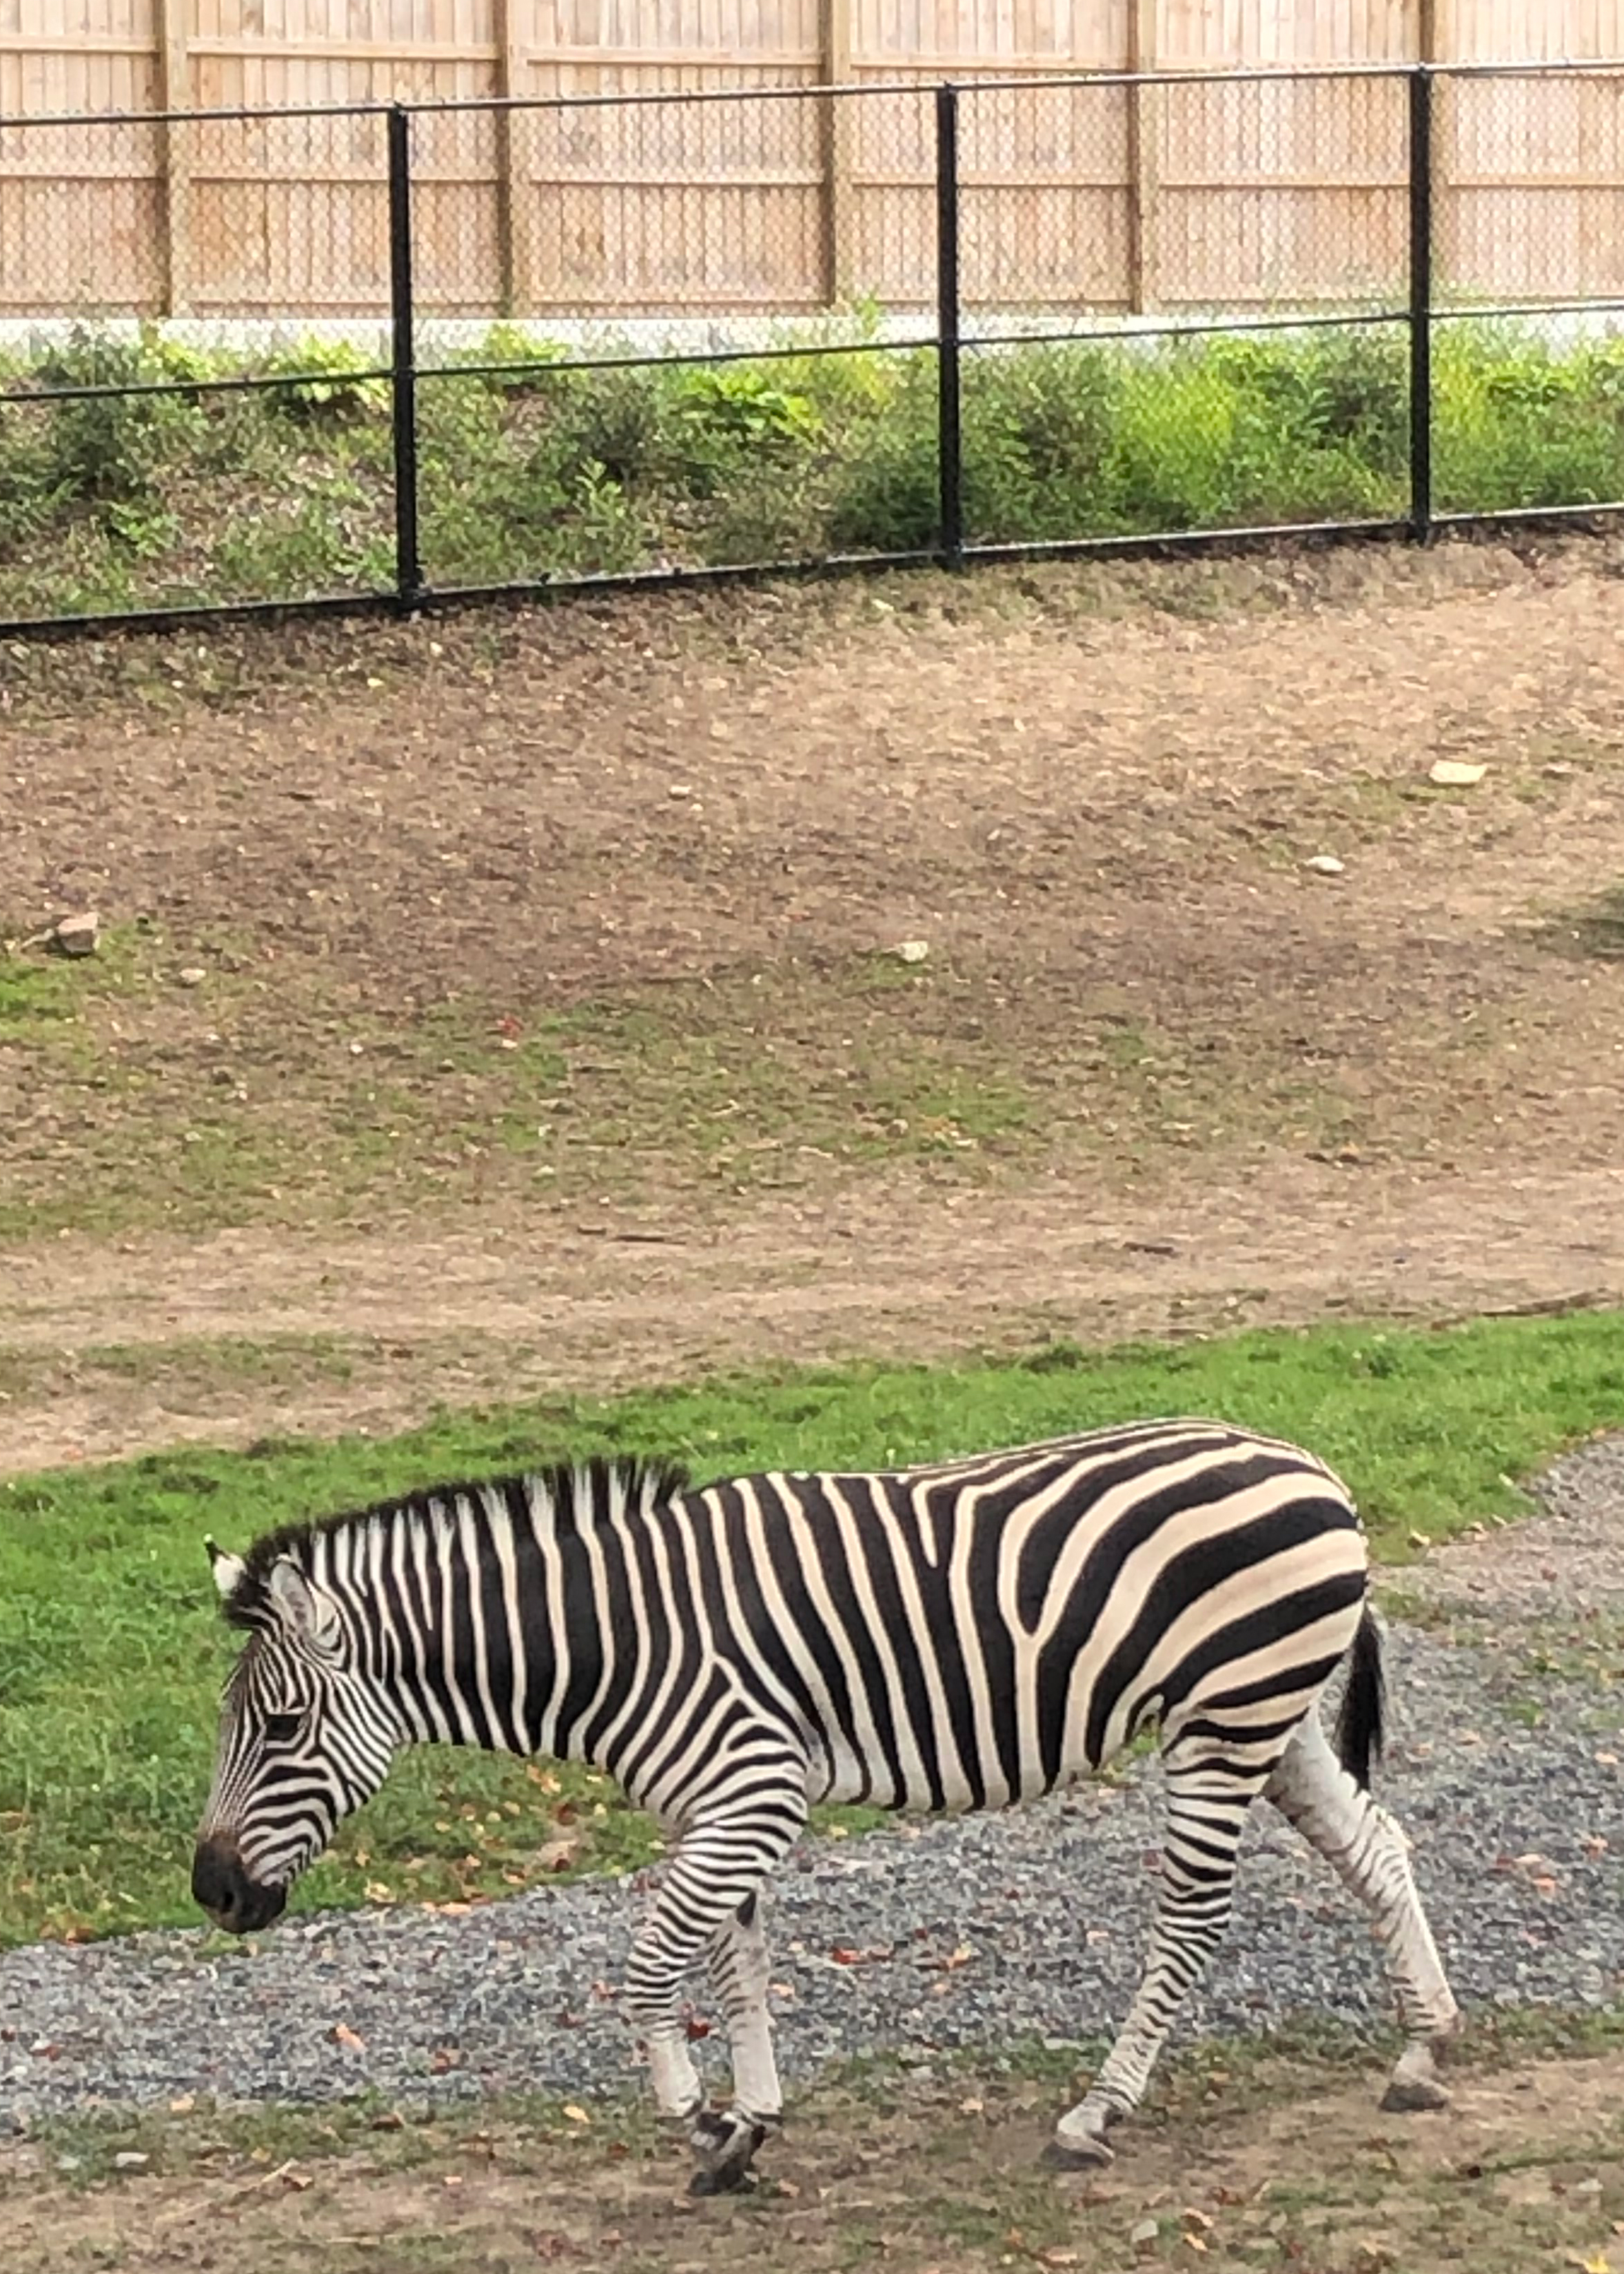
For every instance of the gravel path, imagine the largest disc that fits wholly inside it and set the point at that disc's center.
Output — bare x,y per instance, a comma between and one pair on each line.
950,1934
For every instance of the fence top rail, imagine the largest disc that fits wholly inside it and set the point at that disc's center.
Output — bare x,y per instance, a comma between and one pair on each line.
1259,75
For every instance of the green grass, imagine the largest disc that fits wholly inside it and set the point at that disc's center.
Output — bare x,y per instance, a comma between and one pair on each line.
556,472
1594,931
148,1096
111,1655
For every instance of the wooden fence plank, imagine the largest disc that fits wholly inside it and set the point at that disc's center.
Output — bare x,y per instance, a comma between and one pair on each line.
1143,19
835,69
1108,199
175,94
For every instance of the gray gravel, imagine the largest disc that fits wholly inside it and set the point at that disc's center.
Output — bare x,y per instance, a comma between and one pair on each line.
1519,1848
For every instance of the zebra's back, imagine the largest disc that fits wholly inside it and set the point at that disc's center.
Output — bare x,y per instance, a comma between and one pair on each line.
976,1632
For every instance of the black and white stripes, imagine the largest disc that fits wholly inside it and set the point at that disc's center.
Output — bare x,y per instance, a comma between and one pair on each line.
958,1636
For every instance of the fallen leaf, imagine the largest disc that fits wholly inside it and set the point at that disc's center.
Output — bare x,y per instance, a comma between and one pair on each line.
576,2115
344,2034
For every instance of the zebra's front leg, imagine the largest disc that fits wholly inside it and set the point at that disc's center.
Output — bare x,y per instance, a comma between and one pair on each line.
1205,1815
739,1974
708,1906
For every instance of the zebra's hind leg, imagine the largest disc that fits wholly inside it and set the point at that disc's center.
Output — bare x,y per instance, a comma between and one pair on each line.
1365,1847
706,1908
1207,1796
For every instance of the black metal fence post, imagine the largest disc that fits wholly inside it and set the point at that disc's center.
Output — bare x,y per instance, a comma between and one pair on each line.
1421,303
950,461
404,363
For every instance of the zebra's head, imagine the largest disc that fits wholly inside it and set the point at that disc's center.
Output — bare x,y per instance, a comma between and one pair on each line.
306,1736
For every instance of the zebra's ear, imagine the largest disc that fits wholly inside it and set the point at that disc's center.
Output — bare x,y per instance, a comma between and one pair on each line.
301,1609
227,1570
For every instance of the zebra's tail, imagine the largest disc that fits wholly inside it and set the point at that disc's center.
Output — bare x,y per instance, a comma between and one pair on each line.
1359,1722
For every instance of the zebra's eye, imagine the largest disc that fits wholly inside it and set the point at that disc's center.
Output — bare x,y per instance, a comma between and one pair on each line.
281,1728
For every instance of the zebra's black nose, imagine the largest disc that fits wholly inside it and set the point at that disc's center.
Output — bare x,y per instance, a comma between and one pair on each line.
222,1887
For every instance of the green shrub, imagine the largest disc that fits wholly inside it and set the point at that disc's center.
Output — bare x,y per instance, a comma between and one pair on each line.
1038,425
110,448
511,344
886,489
617,421
1516,424
330,382
558,469
728,420
326,542
32,485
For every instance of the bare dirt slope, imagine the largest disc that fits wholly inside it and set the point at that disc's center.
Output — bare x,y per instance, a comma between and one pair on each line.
515,1002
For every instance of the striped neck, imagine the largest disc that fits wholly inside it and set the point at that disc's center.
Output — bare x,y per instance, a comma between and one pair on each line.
484,1611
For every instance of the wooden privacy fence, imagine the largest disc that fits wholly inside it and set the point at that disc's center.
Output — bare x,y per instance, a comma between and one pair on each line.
687,157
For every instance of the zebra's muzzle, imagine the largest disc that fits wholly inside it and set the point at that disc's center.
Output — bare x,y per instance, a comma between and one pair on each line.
222,1887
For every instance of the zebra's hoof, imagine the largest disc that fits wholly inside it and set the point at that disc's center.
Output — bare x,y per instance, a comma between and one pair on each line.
1082,2151
726,2146
1411,2096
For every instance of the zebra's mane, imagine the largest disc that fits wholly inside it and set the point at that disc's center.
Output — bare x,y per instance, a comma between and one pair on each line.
578,1492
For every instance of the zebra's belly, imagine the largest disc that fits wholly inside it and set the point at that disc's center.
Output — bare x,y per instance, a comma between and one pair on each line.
947,1787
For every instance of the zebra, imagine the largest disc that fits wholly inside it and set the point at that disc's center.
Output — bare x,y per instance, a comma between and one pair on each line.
966,1635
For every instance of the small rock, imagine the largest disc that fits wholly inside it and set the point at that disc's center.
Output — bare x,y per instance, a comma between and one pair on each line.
1456,773
78,935
193,976
130,2159
1324,864
1147,2231
914,950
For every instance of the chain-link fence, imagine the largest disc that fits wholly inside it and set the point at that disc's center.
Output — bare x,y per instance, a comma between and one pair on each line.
337,356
